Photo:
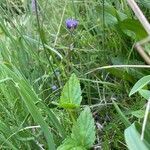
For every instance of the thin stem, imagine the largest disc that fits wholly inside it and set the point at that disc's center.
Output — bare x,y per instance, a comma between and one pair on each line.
119,66
43,43
69,52
60,23
143,54
75,14
103,6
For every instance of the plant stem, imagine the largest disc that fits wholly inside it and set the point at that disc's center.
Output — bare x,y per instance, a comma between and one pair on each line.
119,66
72,116
43,43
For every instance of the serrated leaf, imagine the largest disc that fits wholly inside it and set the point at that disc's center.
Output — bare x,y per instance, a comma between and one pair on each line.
83,133
71,93
70,144
133,140
84,129
140,84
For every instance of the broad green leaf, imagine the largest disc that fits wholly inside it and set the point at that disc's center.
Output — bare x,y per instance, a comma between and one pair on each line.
145,93
111,14
137,30
83,133
140,84
71,93
147,135
133,140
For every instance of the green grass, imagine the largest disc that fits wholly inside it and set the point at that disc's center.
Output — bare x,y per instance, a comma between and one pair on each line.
34,49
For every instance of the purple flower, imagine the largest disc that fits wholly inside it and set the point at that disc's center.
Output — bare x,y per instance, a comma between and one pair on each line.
71,23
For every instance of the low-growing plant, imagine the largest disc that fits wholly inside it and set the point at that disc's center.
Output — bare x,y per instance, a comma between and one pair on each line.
83,131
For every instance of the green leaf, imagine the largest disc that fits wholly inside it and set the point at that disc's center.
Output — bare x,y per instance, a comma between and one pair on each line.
8,143
137,30
34,41
133,140
111,14
123,118
29,97
4,80
145,93
138,113
140,84
71,93
84,129
145,3
7,131
120,73
83,133
70,144
53,120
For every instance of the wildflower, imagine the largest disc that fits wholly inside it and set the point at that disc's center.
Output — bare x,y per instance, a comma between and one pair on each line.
54,87
71,23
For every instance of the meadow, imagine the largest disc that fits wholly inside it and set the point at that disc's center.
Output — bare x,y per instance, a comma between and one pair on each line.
71,77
